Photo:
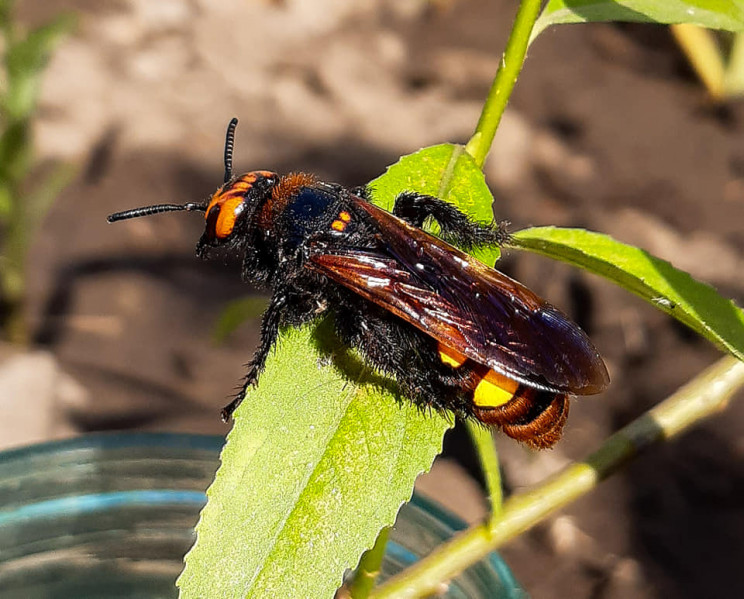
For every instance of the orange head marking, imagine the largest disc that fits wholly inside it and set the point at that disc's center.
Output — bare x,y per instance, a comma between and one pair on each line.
228,203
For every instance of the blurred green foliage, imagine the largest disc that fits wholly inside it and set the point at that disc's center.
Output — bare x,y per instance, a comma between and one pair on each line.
235,314
24,198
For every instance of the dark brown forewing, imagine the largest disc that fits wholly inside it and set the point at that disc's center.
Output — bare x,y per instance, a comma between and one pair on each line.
466,305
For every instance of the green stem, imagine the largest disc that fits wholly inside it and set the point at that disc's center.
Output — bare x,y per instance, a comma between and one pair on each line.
369,567
504,81
705,395
483,441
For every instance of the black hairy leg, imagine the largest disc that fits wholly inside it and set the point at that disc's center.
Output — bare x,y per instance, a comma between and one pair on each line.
456,227
405,354
270,323
285,308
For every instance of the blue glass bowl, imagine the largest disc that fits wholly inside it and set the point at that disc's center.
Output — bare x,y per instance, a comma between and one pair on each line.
113,515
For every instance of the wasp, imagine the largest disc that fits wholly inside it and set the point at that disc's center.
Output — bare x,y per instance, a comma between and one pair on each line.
455,334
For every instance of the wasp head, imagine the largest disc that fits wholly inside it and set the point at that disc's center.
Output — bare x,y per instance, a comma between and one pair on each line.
229,210
232,207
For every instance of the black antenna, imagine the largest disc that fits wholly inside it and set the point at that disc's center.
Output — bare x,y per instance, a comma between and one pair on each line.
157,209
191,207
229,145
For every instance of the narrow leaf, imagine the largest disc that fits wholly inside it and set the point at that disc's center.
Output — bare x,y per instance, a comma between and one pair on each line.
673,291
15,152
714,14
734,82
319,459
703,51
6,201
446,171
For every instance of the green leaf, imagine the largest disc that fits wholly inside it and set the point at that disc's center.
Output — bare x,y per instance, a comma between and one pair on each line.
673,291
25,62
446,171
320,458
714,14
15,153
6,201
236,313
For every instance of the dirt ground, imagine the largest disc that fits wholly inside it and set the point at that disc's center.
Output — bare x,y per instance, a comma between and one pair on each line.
607,130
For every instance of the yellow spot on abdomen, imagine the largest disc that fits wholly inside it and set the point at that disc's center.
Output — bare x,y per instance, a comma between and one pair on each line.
451,357
494,390
344,216
338,225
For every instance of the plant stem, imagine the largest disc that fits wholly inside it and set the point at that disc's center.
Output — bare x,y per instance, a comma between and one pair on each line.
702,50
705,395
503,83
483,441
368,569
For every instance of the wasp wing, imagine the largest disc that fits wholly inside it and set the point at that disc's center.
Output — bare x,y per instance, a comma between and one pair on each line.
466,305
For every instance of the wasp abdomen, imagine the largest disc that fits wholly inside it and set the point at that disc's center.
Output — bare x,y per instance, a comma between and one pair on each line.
533,416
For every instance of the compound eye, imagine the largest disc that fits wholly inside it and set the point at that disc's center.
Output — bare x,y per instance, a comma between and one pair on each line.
212,217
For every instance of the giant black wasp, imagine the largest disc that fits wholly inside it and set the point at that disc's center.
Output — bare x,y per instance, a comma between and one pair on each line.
455,334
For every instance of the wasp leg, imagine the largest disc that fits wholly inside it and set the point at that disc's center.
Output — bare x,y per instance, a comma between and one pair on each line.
402,352
287,307
272,319
456,226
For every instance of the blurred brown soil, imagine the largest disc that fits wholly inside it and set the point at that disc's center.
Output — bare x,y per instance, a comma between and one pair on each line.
607,130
